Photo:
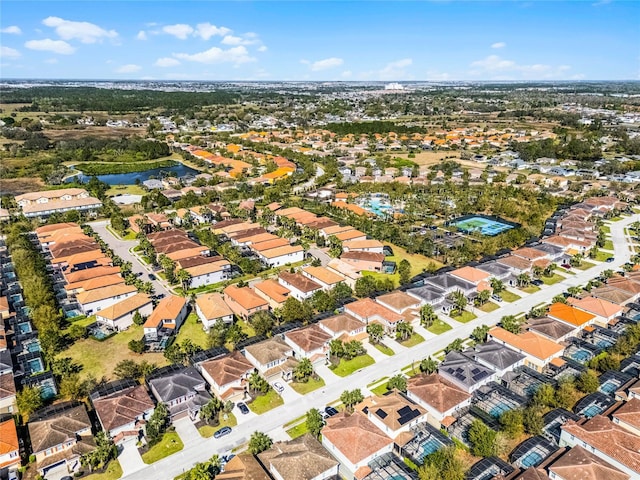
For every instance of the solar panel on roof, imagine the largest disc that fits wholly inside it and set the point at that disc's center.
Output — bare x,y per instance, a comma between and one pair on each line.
381,413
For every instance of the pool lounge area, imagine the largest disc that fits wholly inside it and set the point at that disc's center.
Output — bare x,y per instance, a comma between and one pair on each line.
482,224
532,452
389,467
426,440
594,404
611,381
495,400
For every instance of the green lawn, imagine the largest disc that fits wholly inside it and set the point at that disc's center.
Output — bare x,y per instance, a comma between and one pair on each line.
266,402
555,278
602,256
530,289
246,328
169,445
309,386
508,296
380,389
419,263
113,472
124,189
608,245
606,229
347,367
464,317
586,265
384,349
615,219
439,327
413,340
208,430
99,358
192,329
488,307
130,235
298,430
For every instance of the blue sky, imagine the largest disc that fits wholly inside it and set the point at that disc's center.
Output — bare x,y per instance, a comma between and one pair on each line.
314,40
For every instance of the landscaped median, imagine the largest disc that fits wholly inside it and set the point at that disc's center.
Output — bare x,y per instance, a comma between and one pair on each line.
266,402
347,367
170,444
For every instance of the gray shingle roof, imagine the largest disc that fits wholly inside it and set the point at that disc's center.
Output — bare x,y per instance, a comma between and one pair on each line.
494,354
463,369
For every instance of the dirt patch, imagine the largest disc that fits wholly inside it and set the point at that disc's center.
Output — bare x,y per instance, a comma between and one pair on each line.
430,158
18,186
100,132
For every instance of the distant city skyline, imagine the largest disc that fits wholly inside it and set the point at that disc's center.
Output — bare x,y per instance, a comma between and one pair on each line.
321,41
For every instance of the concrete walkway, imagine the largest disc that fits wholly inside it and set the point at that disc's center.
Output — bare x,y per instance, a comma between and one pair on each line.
130,459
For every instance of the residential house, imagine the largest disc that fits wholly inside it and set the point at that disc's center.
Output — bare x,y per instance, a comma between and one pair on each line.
354,441
227,374
279,256
5,312
119,316
393,413
210,308
371,246
243,466
45,203
324,277
9,447
517,265
367,310
7,389
496,270
628,416
300,286
605,439
243,301
60,435
612,294
538,349
344,327
209,273
181,389
95,300
399,302
166,318
303,458
273,292
361,261
431,295
571,316
476,276
273,358
93,283
309,342
343,268
579,463
550,328
123,407
497,357
450,283
464,372
438,396
603,310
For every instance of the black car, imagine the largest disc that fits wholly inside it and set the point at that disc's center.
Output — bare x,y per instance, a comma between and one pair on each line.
222,432
537,282
609,259
152,276
330,411
243,408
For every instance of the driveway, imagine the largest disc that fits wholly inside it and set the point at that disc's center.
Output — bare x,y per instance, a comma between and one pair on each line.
130,459
320,255
288,394
187,431
121,248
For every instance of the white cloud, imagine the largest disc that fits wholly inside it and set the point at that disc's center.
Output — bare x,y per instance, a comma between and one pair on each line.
326,64
246,39
495,67
179,30
7,52
51,61
346,74
84,31
262,48
206,31
12,30
129,68
48,45
142,35
235,55
167,62
498,45
395,70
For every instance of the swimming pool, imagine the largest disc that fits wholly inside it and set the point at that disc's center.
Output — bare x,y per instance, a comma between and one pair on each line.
25,327
428,447
47,390
531,459
581,355
608,387
35,366
485,226
379,206
33,346
499,409
591,411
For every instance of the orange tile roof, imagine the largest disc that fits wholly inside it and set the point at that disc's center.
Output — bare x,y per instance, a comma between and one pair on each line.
280,251
245,297
324,275
270,244
367,308
104,292
212,305
471,274
568,314
124,307
273,290
350,235
8,437
90,273
168,309
361,244
597,306
93,283
207,268
528,342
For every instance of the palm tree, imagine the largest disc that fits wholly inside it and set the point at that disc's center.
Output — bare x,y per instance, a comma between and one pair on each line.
303,370
376,332
404,330
497,285
184,277
428,365
427,315
483,297
459,301
523,279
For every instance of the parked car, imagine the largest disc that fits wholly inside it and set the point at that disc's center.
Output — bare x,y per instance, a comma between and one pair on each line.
222,432
330,411
243,408
152,276
537,282
567,266
496,297
278,387
609,259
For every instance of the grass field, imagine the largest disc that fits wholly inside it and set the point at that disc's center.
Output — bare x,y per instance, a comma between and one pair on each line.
488,307
113,472
586,265
464,317
602,256
264,403
508,296
192,329
413,340
125,189
555,278
608,245
170,444
606,229
439,327
419,263
311,385
384,349
99,358
207,431
347,367
530,289
298,430
380,389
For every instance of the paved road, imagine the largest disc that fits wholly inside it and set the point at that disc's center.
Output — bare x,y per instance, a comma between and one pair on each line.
202,449
309,183
121,248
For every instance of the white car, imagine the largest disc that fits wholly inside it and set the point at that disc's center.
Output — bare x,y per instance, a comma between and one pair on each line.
278,387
